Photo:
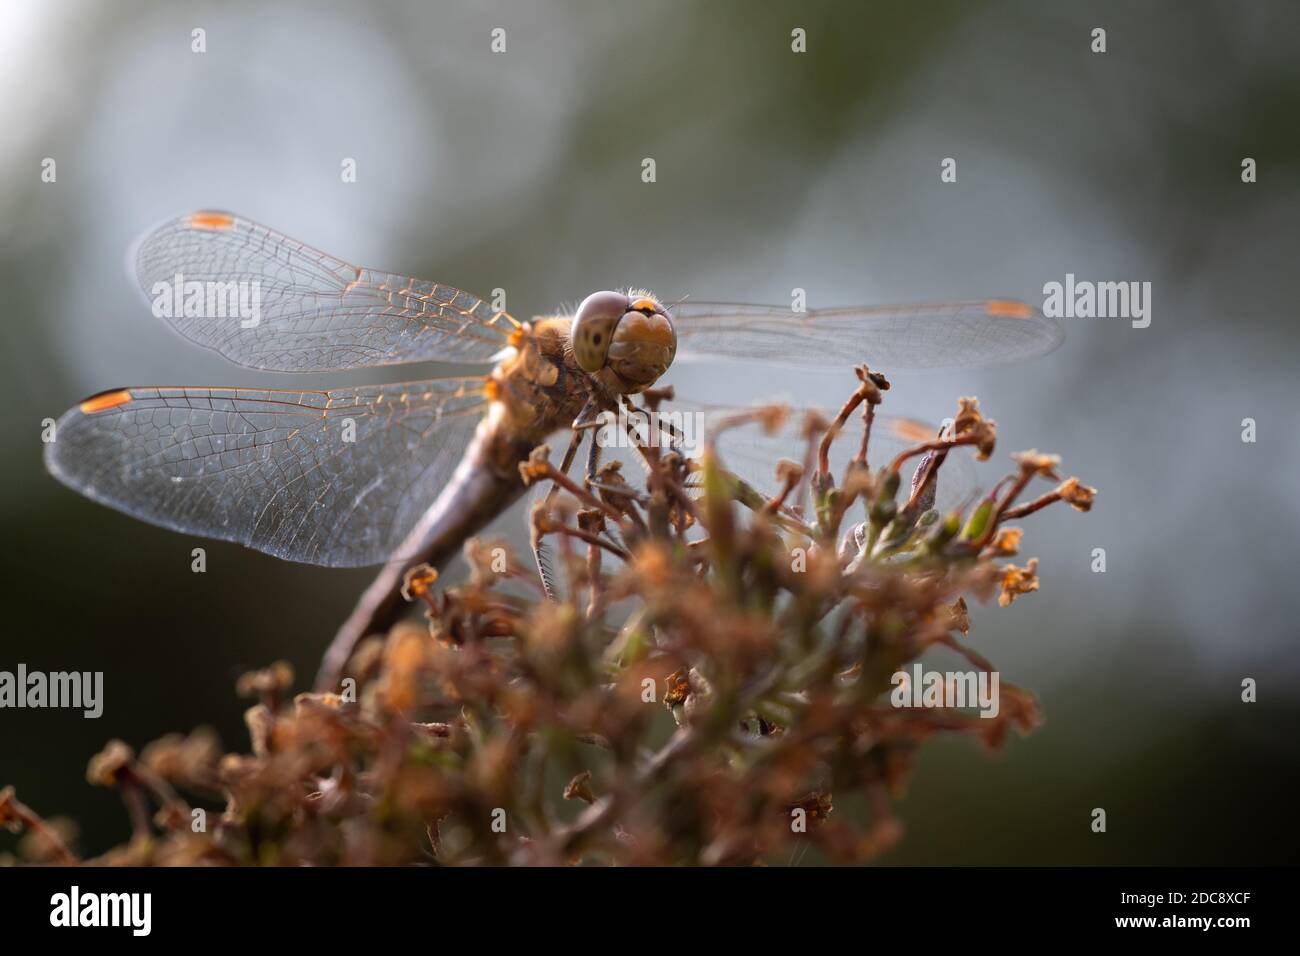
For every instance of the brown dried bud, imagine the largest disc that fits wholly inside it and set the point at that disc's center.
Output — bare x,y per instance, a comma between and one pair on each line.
1017,581
183,759
418,581
873,383
1035,462
611,472
272,681
789,472
814,424
106,766
305,703
1007,542
677,689
579,788
537,466
654,397
959,616
986,439
968,416
591,520
771,417
1077,496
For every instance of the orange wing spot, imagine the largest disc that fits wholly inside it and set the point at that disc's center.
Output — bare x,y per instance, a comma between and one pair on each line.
211,220
1007,309
104,401
492,389
913,431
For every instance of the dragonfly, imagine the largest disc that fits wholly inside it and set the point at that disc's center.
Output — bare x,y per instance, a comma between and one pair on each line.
402,474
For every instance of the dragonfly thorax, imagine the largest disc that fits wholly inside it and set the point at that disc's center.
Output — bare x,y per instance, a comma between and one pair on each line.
627,341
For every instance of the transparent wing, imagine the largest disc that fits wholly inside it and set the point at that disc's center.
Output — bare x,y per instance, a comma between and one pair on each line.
333,478
270,302
938,335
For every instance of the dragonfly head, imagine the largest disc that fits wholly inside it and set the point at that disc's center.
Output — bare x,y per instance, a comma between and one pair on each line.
630,336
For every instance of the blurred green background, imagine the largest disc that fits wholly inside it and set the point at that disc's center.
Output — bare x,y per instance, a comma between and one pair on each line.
775,170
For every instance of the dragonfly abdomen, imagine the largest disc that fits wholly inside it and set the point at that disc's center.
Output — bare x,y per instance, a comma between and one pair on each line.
475,495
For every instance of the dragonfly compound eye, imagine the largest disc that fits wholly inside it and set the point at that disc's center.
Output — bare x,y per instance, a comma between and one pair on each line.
593,328
644,344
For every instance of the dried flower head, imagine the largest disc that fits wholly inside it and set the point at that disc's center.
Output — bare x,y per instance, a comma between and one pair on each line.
271,683
1076,495
1017,581
107,766
711,669
1006,542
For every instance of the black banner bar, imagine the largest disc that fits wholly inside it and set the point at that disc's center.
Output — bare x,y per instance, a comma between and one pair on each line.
288,905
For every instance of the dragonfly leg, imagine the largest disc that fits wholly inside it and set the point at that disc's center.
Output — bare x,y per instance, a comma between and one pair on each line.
539,549
588,419
593,460
656,425
584,421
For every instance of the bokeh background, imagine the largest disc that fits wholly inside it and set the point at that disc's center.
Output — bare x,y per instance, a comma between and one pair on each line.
775,170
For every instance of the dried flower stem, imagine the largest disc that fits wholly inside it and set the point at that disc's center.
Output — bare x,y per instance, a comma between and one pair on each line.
14,810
